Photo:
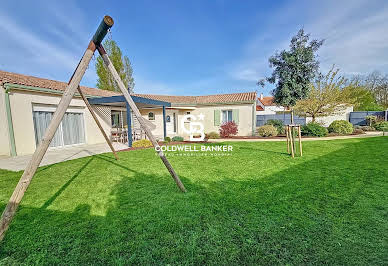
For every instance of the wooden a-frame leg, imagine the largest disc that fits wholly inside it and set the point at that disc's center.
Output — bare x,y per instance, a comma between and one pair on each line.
40,151
97,122
136,111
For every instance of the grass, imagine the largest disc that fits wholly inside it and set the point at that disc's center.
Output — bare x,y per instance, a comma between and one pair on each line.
258,206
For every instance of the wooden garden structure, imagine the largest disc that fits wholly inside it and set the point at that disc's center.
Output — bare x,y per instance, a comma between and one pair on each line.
72,87
291,131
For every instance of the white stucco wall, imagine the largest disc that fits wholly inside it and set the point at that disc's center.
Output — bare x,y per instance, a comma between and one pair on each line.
270,110
21,108
4,137
247,119
326,121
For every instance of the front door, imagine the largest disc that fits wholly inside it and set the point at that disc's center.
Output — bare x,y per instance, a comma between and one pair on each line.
171,124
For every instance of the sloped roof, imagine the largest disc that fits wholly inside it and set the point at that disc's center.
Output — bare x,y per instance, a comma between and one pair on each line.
267,100
259,108
19,79
206,99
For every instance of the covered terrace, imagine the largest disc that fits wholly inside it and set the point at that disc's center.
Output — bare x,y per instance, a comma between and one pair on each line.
141,103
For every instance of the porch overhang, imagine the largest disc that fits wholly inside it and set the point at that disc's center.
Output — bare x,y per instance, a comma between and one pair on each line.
120,99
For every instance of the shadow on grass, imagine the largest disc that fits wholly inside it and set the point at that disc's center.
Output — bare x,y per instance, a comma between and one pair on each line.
326,210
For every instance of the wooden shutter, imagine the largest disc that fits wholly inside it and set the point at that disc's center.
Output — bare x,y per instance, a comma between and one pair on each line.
235,115
217,117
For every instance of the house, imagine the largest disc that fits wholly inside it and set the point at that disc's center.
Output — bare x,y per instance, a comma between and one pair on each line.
266,109
27,104
266,106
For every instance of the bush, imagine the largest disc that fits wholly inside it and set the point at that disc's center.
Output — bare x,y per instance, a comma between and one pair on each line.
177,138
367,128
341,127
314,129
358,131
144,143
380,126
167,139
371,119
212,135
278,124
228,129
267,131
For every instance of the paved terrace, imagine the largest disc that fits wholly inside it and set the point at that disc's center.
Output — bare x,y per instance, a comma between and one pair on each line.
59,155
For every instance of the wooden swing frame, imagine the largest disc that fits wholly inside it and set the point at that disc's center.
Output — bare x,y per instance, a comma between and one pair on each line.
73,85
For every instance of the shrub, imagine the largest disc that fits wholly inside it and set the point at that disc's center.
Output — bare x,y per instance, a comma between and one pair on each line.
228,129
371,119
167,139
314,129
341,127
267,131
367,128
212,135
177,138
144,143
358,131
380,126
278,124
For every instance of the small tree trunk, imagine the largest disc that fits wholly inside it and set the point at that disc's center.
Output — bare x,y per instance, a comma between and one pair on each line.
292,116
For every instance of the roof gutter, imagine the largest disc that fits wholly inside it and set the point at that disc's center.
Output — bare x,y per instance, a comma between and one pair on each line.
11,134
9,86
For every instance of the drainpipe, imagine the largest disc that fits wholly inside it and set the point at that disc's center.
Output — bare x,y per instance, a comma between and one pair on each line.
9,120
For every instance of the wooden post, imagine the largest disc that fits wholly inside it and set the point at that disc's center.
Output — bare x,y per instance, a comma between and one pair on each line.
97,122
136,111
300,141
292,141
288,141
164,123
40,151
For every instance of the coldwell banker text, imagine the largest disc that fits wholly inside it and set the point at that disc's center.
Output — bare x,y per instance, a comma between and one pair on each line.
195,148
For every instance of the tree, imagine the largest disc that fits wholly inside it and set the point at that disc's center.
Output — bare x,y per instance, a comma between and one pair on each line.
327,96
294,70
377,83
362,98
122,65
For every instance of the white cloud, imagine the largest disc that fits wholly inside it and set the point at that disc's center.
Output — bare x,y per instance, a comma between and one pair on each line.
354,32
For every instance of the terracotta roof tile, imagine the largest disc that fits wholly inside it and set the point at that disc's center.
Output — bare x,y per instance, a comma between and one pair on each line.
14,78
8,77
259,108
267,100
207,99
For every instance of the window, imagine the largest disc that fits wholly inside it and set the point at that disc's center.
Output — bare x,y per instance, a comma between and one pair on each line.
70,131
227,116
189,118
115,118
151,116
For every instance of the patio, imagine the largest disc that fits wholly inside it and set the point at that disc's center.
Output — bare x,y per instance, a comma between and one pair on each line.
54,155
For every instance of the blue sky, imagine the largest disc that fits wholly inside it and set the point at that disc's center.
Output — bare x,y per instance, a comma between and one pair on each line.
191,47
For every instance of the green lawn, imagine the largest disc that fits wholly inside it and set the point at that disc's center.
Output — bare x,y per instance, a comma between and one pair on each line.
258,206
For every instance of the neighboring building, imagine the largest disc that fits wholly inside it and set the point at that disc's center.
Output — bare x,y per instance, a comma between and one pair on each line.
266,106
28,103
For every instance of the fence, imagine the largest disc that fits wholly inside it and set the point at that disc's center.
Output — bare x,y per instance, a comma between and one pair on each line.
358,118
286,118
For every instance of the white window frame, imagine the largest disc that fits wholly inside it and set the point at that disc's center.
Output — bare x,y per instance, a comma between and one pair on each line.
227,114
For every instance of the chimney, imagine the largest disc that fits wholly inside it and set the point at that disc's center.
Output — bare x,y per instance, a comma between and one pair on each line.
261,96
